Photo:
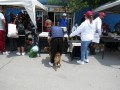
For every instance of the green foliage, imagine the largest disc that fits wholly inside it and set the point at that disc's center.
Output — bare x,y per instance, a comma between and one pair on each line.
76,5
54,2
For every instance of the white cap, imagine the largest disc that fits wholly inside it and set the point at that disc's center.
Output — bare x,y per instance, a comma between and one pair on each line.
64,14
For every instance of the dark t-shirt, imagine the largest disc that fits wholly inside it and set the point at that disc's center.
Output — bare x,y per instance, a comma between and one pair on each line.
56,31
20,27
12,19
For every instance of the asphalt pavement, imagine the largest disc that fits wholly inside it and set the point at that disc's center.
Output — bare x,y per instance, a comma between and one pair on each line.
24,73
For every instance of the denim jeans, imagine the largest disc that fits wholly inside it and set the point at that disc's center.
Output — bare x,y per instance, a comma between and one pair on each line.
84,49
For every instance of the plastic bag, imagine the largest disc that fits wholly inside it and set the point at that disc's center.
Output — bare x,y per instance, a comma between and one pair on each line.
35,48
32,54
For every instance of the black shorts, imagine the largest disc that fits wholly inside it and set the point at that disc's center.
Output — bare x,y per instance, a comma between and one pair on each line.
20,41
56,45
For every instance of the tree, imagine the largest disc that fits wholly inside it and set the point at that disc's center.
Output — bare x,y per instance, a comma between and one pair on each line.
76,5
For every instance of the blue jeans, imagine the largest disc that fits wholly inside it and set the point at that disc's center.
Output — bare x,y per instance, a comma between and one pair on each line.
84,49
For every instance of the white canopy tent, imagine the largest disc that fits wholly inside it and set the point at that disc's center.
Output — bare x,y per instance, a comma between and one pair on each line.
113,7
29,5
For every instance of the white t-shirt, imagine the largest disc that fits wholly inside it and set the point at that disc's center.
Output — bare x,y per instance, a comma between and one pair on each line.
1,22
98,24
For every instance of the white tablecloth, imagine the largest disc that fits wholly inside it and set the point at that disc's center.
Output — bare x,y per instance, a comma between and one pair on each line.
43,34
73,44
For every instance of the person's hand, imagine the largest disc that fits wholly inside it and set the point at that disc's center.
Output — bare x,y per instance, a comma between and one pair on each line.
49,40
69,37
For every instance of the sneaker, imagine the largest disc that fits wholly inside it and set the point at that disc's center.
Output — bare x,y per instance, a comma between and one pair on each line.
23,53
80,62
18,53
86,60
51,64
6,53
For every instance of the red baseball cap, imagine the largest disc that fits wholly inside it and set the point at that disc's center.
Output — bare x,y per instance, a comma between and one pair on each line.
89,13
102,14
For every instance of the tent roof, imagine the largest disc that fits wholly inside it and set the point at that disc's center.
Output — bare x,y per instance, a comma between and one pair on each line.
29,5
113,7
22,3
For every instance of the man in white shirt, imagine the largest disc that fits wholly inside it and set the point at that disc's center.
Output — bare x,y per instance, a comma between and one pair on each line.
98,32
98,22
2,33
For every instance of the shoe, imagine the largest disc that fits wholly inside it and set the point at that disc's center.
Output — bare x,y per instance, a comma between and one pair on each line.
23,53
51,64
18,53
80,62
86,60
6,53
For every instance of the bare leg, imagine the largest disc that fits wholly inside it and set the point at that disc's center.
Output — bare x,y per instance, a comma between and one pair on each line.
18,48
18,53
23,49
23,52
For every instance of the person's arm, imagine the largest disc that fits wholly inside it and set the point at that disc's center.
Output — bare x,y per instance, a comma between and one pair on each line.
4,22
78,30
45,23
63,34
49,40
99,27
49,37
72,29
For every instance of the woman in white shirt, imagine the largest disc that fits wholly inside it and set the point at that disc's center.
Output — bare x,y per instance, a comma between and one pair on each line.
87,30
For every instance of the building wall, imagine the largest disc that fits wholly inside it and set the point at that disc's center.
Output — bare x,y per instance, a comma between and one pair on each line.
111,20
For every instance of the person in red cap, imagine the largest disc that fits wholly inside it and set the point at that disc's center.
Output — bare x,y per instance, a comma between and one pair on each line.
98,32
98,22
87,30
102,15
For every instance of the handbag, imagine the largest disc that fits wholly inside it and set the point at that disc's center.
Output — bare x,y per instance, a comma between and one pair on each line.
12,31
